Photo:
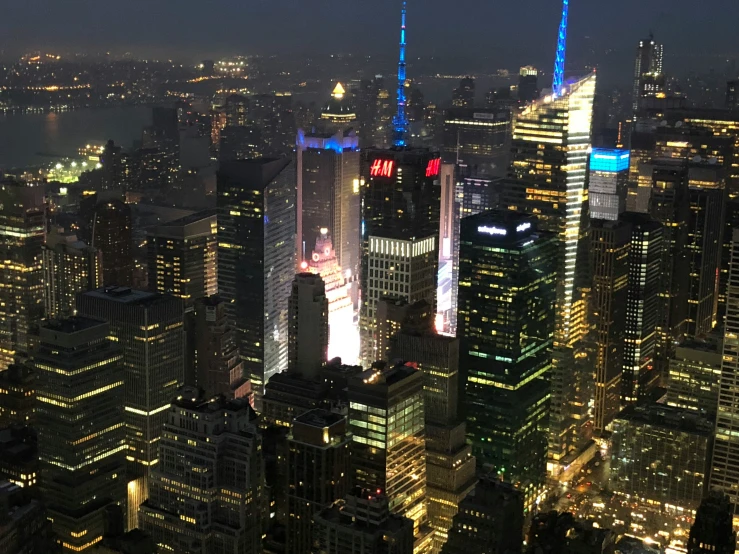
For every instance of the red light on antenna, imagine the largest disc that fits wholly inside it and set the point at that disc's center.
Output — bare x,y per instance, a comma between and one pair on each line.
382,168
433,167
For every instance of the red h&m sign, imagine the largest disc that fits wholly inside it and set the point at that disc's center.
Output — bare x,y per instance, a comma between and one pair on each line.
433,167
382,168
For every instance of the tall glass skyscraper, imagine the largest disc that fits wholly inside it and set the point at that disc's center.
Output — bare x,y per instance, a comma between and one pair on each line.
507,293
548,178
256,260
22,236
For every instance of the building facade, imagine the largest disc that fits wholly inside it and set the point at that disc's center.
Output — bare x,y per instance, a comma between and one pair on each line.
206,493
70,267
256,260
182,257
81,433
22,235
308,327
609,173
548,177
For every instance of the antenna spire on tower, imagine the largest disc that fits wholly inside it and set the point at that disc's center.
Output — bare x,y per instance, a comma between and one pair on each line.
400,122
559,62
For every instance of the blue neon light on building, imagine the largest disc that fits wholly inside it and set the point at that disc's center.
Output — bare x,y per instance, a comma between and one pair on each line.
609,160
559,61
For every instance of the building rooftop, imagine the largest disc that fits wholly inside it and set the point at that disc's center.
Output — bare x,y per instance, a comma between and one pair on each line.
126,295
70,325
670,417
319,418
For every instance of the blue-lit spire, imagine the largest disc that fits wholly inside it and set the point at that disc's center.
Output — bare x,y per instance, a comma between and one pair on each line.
400,122
559,62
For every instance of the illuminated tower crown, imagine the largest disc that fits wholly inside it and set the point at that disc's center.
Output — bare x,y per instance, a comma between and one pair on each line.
400,121
559,61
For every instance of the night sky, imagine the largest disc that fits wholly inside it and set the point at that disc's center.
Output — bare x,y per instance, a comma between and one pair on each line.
513,31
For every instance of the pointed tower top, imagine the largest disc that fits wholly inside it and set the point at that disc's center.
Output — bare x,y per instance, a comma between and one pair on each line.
559,62
338,92
400,122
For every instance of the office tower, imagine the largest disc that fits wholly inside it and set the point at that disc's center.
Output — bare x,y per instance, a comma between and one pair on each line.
392,311
642,304
25,528
343,334
240,143
182,257
712,532
549,179
17,395
362,524
450,466
218,368
307,327
288,395
707,194
610,245
256,260
112,234
206,491
507,341
329,193
81,435
317,472
731,222
732,95
726,445
609,173
374,113
649,80
490,519
695,372
70,267
400,214
477,138
528,84
396,466
113,170
464,95
149,327
660,455
22,235
670,206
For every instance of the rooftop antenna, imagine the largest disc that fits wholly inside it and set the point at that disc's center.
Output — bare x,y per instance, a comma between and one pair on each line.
559,62
400,121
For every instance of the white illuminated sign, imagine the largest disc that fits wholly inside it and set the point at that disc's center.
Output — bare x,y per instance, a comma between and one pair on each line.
491,230
523,227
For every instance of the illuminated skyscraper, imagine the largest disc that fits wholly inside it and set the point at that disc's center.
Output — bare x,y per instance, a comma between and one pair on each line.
477,138
17,396
649,80
22,235
610,245
70,267
182,257
670,205
707,196
149,327
400,216
386,419
642,304
80,428
328,188
507,335
343,334
695,373
450,466
548,177
609,172
112,234
528,84
724,477
256,260
207,491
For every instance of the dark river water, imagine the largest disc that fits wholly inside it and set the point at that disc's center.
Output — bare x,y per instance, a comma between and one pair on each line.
24,137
